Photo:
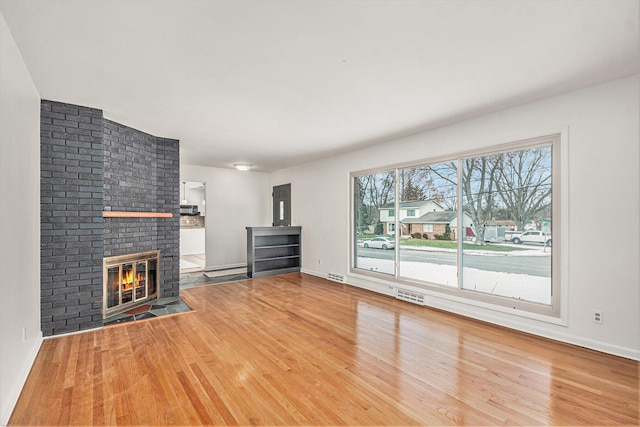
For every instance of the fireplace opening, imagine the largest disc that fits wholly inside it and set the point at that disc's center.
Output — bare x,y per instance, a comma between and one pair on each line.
130,280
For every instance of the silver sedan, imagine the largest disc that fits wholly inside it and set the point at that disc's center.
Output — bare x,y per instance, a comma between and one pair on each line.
380,243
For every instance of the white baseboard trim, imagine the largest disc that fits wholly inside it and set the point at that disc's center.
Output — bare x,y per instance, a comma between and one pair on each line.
497,318
50,337
493,317
14,394
225,266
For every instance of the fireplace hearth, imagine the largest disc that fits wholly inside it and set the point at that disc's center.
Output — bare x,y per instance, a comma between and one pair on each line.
130,280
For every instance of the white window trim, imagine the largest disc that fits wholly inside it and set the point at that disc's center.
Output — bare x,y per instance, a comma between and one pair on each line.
554,313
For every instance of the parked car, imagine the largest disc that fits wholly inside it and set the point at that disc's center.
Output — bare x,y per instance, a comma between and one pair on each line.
509,235
380,243
532,237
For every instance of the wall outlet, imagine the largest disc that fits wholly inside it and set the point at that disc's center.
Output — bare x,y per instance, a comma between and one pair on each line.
597,316
319,261
24,334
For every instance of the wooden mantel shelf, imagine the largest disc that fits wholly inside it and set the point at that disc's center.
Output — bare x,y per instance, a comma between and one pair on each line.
120,214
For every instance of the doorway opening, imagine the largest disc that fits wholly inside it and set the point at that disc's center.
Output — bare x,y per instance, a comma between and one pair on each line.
192,230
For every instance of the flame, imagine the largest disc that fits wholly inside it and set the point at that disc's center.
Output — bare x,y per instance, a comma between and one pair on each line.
127,280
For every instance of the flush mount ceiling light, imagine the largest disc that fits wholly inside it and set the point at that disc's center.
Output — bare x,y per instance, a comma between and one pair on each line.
243,166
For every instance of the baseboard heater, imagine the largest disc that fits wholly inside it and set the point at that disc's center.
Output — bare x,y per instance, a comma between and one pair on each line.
335,277
412,297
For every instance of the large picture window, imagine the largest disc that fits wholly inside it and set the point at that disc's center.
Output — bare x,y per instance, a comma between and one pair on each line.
374,206
480,224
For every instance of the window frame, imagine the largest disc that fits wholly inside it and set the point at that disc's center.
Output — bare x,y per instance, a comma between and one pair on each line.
553,312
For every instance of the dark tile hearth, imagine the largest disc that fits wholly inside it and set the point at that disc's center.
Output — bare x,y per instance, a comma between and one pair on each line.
138,310
171,305
162,307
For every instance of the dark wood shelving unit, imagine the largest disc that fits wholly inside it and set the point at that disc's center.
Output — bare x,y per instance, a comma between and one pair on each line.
273,250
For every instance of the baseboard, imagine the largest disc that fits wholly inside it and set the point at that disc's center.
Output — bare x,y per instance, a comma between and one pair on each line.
495,318
225,266
489,316
627,353
313,273
10,403
370,286
84,331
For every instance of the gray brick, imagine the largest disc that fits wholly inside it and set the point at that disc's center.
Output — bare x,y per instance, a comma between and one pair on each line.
96,154
58,108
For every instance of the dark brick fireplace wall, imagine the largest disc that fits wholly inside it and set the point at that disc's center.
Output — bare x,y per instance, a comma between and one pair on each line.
90,164
71,230
142,174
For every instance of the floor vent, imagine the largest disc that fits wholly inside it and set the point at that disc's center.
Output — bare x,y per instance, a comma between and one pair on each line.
335,277
409,296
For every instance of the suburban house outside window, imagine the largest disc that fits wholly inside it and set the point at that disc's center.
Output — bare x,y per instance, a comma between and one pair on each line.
481,224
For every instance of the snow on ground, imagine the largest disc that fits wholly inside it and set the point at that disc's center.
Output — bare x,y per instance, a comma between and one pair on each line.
520,286
529,250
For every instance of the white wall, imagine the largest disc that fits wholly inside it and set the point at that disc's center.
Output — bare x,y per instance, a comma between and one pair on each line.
235,200
192,241
601,125
19,233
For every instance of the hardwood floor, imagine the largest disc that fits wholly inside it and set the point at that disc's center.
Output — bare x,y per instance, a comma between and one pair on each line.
296,349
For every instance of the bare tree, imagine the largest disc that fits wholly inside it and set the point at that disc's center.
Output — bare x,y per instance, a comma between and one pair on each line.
444,188
372,192
516,183
478,183
362,211
380,188
523,181
414,184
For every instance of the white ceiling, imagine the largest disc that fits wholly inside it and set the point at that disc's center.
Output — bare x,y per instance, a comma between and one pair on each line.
278,83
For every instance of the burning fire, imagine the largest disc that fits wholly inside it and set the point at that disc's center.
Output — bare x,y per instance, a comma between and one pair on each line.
127,280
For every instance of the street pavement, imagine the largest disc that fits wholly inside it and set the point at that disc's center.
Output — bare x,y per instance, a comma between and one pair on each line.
534,265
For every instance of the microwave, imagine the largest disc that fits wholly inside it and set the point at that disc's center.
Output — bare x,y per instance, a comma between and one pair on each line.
189,210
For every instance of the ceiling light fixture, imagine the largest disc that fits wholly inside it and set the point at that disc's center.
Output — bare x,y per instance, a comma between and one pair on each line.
184,201
243,166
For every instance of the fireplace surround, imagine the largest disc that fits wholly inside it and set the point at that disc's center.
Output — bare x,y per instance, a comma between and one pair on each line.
130,280
91,165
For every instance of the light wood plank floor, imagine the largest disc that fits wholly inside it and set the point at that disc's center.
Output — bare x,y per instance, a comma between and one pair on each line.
296,349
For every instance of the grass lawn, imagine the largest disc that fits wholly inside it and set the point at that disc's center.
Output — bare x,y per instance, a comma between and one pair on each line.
448,244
